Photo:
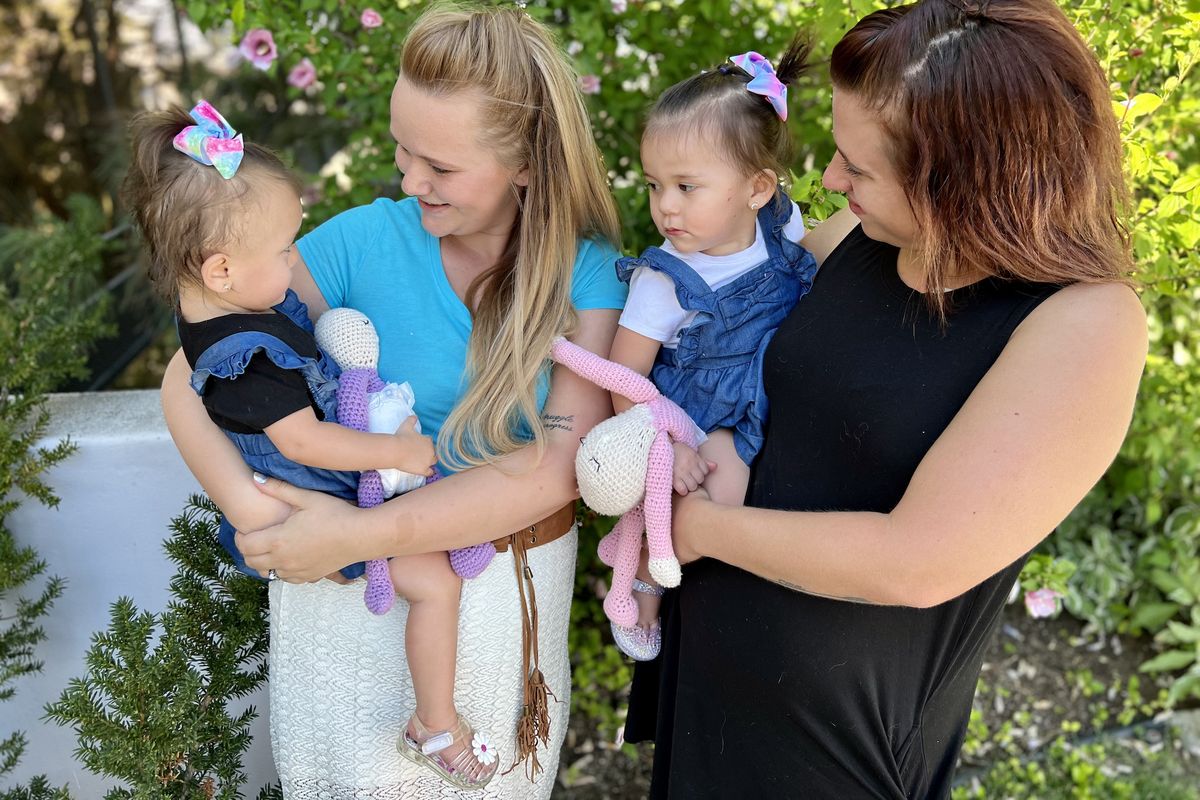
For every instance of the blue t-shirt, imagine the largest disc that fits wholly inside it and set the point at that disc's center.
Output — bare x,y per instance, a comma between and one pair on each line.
379,260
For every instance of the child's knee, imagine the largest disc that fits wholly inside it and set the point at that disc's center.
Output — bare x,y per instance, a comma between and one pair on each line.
427,578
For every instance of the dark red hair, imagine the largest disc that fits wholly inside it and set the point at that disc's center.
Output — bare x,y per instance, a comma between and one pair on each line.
1002,134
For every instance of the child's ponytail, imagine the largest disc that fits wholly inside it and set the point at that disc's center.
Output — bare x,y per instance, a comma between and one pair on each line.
794,61
740,106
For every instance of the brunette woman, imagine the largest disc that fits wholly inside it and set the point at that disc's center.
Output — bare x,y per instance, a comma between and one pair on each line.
962,372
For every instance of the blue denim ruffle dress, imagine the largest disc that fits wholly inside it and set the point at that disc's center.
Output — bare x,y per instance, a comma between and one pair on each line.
715,374
228,358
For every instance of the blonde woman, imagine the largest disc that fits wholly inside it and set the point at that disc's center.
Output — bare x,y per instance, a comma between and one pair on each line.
506,240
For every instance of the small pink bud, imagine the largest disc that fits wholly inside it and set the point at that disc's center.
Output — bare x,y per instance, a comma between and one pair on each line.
303,75
589,84
1042,602
370,18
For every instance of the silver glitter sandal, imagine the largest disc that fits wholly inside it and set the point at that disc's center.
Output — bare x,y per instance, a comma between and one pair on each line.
640,644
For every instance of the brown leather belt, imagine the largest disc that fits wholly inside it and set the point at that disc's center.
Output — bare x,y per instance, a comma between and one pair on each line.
544,531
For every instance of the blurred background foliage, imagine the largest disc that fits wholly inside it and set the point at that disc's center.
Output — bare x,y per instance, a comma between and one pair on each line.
75,71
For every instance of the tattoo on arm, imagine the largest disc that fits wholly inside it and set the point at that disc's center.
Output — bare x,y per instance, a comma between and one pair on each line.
797,588
561,423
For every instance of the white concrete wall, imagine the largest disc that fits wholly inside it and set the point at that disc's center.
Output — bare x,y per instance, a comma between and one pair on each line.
119,492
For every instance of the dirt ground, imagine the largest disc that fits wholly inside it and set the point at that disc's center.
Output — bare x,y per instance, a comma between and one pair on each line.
1037,674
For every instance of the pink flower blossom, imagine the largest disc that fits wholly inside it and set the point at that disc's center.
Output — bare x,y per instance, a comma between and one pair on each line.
258,47
371,18
619,6
589,84
1042,602
303,75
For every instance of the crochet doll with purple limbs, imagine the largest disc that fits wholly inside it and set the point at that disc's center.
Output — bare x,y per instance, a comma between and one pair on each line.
367,403
624,468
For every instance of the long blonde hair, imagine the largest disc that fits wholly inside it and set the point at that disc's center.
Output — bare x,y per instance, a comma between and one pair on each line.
534,119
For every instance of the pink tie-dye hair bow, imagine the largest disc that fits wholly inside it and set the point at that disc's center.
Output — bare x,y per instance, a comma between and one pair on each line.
763,80
211,141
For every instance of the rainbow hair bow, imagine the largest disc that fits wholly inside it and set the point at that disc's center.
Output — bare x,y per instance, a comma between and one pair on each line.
211,141
763,80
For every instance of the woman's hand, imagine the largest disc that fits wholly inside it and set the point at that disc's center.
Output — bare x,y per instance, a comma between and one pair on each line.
685,535
311,543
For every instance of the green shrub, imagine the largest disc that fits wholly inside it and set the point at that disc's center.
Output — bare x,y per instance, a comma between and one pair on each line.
47,275
153,709
1136,538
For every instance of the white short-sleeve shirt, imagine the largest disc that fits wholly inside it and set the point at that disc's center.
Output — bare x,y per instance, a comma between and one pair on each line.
653,309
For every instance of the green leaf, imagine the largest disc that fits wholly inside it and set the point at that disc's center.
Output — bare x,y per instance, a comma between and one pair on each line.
1171,205
1169,661
1140,105
1185,184
238,14
1152,616
1183,634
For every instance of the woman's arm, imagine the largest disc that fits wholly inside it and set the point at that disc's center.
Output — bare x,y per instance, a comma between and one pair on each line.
1036,434
306,288
470,507
827,235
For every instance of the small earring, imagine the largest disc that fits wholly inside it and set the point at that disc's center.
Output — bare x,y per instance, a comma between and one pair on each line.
225,287
754,206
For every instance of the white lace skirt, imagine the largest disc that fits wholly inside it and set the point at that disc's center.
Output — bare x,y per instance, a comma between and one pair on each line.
340,691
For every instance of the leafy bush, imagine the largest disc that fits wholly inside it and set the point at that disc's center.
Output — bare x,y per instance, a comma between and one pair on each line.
1136,538
47,275
153,709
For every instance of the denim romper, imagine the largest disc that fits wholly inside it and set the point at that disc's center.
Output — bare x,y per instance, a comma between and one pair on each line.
225,360
715,374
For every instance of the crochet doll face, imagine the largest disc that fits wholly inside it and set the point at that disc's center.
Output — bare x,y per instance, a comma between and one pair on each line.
349,338
611,462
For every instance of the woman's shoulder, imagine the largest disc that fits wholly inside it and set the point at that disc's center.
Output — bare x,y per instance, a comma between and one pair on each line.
1110,306
827,235
592,249
1102,322
594,281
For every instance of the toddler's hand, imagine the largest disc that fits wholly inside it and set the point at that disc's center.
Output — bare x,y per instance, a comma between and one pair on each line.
415,452
690,469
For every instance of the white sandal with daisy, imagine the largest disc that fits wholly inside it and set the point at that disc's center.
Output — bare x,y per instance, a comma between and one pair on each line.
469,768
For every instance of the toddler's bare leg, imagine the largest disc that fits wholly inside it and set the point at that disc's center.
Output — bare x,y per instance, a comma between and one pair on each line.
728,482
647,604
431,637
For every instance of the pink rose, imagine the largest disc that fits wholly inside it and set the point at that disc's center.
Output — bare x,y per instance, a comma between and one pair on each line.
1042,602
589,84
258,47
370,18
303,75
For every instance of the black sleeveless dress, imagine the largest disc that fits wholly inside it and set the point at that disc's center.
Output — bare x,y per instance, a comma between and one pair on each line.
764,692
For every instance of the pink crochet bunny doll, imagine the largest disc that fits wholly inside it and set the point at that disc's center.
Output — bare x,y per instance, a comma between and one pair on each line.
624,468
365,403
